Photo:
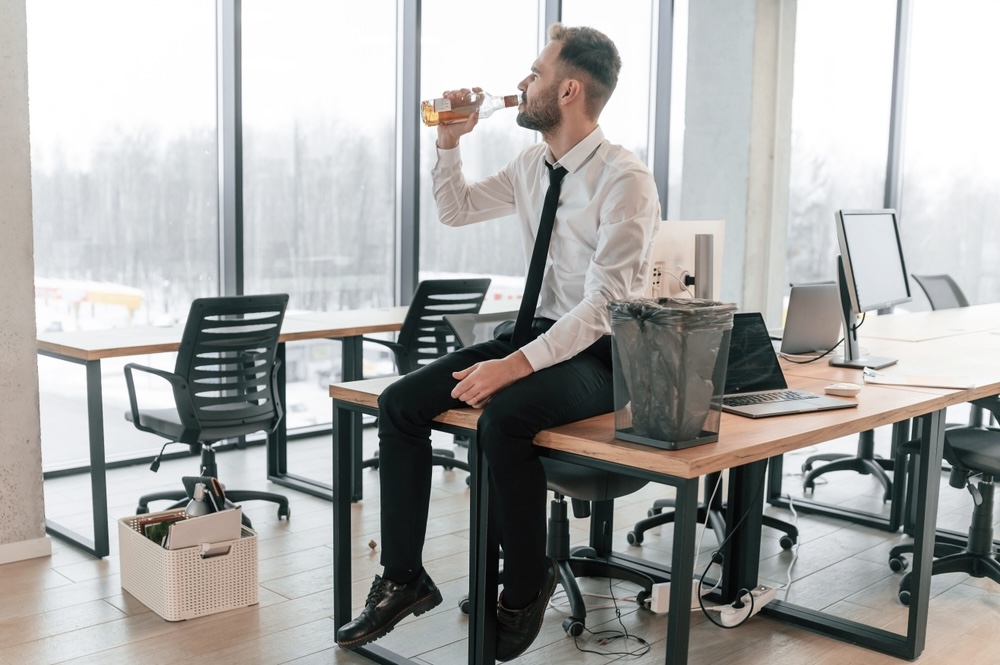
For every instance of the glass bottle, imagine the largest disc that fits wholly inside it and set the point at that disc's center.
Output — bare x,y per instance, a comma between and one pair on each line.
441,112
198,505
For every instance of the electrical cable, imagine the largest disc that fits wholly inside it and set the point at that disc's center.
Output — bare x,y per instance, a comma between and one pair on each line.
795,547
612,635
790,357
717,557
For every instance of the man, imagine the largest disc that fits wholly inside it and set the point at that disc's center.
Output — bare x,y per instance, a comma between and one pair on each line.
554,369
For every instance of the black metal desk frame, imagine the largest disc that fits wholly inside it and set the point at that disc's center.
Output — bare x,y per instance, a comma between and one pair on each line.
746,488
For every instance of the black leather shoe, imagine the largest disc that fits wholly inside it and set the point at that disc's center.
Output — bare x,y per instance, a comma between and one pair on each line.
387,604
517,629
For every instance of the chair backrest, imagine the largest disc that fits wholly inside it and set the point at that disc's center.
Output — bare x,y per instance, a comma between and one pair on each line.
425,336
472,329
941,291
227,355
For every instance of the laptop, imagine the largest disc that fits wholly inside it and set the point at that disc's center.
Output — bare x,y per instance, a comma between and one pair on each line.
814,318
755,384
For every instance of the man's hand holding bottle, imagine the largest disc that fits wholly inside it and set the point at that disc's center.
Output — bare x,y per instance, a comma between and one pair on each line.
450,133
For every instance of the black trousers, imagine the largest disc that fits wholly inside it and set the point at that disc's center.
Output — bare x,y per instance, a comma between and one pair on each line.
578,388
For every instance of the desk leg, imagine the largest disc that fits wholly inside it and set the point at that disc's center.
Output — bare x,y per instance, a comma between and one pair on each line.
682,568
927,490
99,547
744,516
351,363
277,443
484,563
342,460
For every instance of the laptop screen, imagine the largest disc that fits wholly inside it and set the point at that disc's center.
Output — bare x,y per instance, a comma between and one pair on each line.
753,364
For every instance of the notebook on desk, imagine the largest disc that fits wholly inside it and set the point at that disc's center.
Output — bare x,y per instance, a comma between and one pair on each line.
755,384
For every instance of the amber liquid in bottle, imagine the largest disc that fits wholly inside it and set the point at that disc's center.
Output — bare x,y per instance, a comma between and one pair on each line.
433,118
440,112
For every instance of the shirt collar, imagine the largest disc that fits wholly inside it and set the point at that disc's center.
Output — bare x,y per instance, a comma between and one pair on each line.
578,154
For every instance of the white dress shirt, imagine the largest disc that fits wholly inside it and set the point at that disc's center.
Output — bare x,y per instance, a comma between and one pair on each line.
601,243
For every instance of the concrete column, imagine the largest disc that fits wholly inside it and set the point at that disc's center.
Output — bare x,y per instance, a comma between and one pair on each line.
737,139
22,509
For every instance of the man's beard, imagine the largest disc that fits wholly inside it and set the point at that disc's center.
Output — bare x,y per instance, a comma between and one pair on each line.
545,115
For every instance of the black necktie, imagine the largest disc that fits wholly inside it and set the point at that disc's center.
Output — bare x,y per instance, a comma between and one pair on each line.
533,283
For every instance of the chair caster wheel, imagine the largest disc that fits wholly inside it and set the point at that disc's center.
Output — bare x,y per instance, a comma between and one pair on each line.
573,627
898,564
468,481
634,538
806,468
142,510
463,604
786,542
374,465
284,511
641,598
904,597
808,487
653,512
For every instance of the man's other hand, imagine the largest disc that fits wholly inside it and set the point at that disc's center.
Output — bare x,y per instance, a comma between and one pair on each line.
477,384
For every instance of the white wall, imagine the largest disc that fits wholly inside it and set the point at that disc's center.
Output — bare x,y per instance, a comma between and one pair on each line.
22,530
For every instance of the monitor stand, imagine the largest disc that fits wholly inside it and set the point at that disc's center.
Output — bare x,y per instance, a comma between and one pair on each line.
852,356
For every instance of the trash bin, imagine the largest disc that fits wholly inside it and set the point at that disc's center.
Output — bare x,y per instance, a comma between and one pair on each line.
669,360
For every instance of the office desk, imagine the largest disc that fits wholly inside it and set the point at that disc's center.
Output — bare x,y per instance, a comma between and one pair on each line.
88,348
744,447
942,343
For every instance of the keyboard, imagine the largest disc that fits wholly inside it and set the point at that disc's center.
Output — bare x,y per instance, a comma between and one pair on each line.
763,398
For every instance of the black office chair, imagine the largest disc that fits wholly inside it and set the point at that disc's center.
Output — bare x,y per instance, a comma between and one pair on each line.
224,386
711,511
941,290
425,337
585,487
971,451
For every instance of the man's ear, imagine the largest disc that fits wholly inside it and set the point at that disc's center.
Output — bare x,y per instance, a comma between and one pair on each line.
570,90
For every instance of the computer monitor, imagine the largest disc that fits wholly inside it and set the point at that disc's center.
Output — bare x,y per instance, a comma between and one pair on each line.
687,259
872,275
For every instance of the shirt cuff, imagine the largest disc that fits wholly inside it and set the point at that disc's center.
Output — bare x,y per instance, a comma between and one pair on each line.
448,157
538,355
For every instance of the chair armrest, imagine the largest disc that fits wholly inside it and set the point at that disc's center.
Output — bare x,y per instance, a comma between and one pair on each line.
182,396
398,351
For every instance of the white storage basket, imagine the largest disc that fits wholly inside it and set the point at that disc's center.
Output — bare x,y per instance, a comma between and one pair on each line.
180,584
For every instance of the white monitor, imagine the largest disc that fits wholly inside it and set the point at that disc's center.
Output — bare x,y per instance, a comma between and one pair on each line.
871,272
674,262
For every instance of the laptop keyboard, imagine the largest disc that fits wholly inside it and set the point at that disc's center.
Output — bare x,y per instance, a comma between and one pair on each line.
763,398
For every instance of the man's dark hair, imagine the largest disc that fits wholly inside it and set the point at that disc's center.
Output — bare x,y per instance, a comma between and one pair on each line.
589,55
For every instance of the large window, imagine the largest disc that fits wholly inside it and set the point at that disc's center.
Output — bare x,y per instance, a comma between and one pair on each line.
840,124
122,110
950,196
319,93
491,46
625,120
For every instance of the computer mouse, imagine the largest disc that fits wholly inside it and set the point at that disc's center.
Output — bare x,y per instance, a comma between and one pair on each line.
843,389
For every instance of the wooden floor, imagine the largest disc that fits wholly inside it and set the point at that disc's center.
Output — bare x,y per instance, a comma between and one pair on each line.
70,608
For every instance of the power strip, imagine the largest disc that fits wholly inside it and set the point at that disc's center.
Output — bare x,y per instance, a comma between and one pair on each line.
733,616
659,599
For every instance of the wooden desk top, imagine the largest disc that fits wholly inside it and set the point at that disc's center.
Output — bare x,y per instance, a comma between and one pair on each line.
975,355
89,345
922,326
741,440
